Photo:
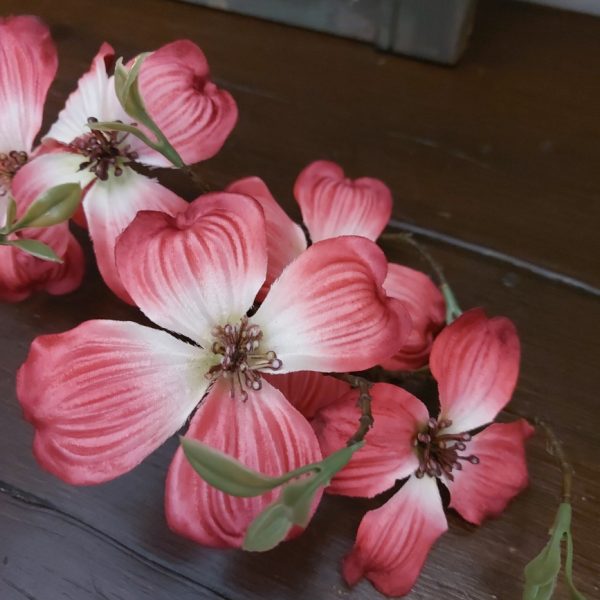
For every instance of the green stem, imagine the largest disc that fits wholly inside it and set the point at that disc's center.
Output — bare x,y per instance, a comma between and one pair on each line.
366,420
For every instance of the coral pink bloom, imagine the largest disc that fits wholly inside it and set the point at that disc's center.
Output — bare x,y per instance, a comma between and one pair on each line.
28,64
193,113
475,362
333,205
105,394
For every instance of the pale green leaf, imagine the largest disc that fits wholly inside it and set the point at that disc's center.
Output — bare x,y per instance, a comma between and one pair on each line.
268,529
35,248
56,205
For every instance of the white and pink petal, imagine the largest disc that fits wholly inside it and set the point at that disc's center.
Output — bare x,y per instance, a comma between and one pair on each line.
475,361
106,394
264,432
393,541
328,310
334,205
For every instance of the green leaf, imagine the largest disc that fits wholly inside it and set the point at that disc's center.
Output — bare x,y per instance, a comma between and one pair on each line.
294,505
56,205
575,595
231,476
35,248
11,213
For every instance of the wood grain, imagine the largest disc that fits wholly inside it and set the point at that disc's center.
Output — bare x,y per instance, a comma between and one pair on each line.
501,151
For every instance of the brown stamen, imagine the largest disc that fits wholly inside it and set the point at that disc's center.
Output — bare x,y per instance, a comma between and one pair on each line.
10,163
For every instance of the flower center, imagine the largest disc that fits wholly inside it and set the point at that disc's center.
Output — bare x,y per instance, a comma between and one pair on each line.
439,452
10,163
241,356
103,150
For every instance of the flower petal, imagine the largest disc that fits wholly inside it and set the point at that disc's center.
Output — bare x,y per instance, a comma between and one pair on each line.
88,100
389,452
28,64
308,391
328,310
393,541
264,432
475,361
194,114
483,490
333,205
111,205
200,269
285,239
426,307
105,395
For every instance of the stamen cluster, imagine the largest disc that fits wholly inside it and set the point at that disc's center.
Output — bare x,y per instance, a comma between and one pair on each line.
10,163
242,360
103,149
439,452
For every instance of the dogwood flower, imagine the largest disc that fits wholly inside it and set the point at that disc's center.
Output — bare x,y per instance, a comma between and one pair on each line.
105,394
334,205
475,362
28,64
191,111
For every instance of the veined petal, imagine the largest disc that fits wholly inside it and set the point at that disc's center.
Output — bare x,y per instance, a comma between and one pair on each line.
105,395
111,205
265,432
334,205
389,452
328,310
426,307
393,541
308,391
285,239
28,65
195,115
22,274
475,361
88,100
200,269
483,490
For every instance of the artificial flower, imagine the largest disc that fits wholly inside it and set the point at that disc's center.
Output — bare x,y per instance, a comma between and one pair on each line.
28,64
475,361
105,394
333,205
192,112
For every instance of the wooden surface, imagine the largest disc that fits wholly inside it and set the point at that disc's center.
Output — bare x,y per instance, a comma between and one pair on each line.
500,154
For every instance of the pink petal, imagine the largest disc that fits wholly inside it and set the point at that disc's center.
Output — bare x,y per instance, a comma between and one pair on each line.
200,269
308,391
389,453
194,114
111,205
475,361
393,541
285,239
426,307
22,274
329,312
483,490
105,395
333,205
264,432
88,100
28,64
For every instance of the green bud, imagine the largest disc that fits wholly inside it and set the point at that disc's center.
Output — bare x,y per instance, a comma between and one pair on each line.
54,206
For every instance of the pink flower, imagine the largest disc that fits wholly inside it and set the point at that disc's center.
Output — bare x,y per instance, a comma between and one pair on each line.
333,205
28,64
179,96
105,394
475,362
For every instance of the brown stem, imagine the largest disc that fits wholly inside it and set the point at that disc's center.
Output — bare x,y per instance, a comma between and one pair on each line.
197,179
366,420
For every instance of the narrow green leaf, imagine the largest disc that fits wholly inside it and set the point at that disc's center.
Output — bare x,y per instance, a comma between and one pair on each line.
575,594
35,248
56,205
231,476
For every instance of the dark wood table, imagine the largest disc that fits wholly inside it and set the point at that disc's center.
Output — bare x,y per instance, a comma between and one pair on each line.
496,160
